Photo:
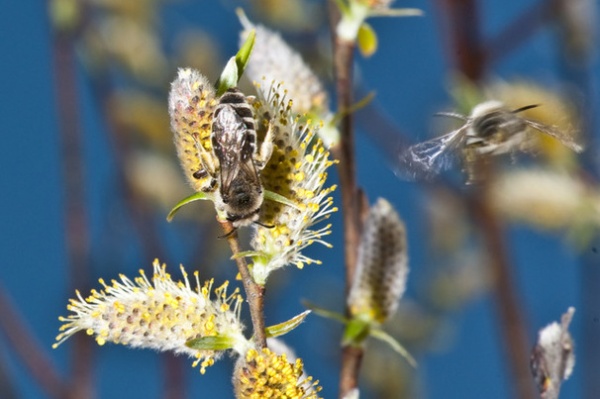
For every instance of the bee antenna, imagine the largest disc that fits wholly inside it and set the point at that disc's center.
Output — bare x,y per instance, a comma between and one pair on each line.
266,226
525,108
452,115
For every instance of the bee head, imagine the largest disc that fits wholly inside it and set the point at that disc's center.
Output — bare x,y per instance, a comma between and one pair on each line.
489,117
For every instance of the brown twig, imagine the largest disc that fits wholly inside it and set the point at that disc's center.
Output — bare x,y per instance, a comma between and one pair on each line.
464,38
254,292
29,350
343,58
511,321
344,152
519,30
77,237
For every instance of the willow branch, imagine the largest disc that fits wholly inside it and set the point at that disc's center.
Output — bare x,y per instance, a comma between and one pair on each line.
77,232
254,292
344,152
343,57
519,30
511,321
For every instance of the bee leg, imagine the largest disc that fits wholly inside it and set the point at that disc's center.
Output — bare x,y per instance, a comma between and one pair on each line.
266,149
206,159
228,234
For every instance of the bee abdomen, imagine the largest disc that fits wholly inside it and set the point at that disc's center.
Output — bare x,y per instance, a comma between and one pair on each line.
237,100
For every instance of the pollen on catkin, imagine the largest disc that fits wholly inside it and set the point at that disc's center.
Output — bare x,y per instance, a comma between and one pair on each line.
191,105
273,60
297,170
159,314
382,265
265,374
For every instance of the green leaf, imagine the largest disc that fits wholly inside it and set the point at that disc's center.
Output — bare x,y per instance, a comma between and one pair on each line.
328,314
214,343
270,195
396,346
185,201
367,40
366,100
243,55
356,332
287,326
232,73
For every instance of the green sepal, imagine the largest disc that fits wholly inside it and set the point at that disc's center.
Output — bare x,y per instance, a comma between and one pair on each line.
367,40
280,329
356,332
270,195
236,65
396,346
213,343
194,197
247,254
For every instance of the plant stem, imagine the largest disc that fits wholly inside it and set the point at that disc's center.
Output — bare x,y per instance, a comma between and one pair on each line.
343,53
344,152
508,308
77,235
519,30
254,292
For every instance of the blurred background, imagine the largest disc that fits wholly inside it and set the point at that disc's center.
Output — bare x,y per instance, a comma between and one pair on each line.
89,174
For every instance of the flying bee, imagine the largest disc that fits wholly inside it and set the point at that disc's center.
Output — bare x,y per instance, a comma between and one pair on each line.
490,129
234,144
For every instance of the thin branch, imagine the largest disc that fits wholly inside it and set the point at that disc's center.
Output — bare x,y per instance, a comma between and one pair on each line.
254,292
343,57
464,38
508,308
77,233
30,352
519,30
345,153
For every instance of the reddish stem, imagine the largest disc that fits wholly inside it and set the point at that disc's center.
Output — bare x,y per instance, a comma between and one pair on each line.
77,235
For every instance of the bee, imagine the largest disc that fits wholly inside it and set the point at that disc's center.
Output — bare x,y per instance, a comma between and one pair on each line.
234,144
490,129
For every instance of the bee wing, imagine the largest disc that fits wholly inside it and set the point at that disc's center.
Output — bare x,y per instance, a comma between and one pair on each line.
234,150
429,158
565,139
228,142
229,161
